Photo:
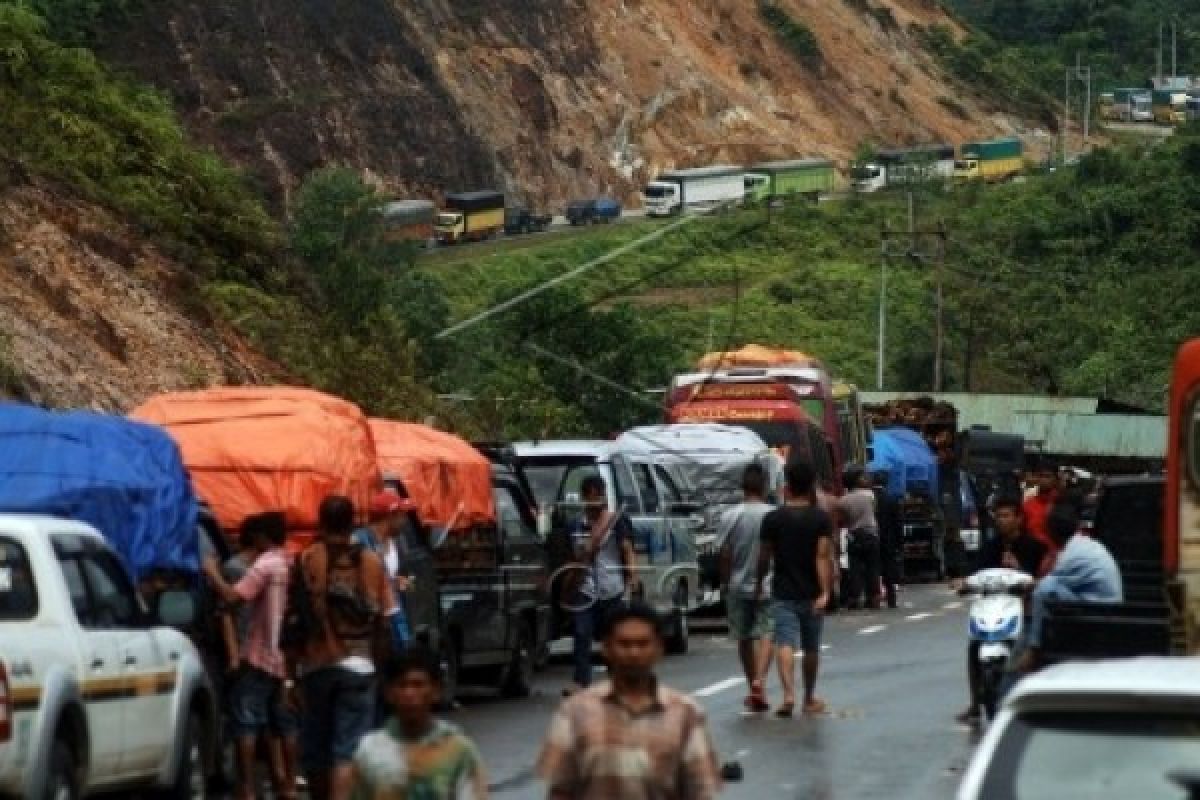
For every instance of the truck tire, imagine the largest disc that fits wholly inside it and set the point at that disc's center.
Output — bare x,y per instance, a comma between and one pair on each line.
62,782
190,781
517,677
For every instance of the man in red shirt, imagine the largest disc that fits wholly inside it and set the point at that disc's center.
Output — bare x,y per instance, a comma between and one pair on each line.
1037,507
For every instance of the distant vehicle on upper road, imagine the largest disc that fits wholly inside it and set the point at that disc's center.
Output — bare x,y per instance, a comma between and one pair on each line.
1127,105
598,209
1170,106
1103,730
470,217
806,177
521,220
673,192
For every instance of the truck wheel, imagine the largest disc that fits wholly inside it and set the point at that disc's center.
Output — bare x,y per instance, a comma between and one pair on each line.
63,781
517,679
190,780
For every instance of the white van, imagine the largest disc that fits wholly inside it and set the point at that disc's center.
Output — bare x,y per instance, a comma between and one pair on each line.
650,490
711,459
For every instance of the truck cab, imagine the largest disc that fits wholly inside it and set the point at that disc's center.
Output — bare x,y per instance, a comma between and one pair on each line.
661,199
868,178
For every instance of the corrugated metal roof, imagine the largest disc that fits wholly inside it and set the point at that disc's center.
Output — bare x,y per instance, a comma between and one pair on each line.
996,411
1141,436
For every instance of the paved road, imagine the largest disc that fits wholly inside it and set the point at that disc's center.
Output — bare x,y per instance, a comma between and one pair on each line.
894,680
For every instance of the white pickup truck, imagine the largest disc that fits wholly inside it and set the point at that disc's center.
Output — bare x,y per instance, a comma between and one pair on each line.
94,694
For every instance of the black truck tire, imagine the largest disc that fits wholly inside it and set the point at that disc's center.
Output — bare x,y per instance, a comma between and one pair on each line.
62,781
517,677
190,781
677,626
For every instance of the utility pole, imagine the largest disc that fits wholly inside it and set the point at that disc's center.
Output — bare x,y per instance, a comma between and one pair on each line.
1174,55
1084,74
914,245
1066,131
1158,73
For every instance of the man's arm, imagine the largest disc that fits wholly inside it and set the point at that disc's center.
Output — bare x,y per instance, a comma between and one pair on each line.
701,778
824,570
556,764
766,552
227,593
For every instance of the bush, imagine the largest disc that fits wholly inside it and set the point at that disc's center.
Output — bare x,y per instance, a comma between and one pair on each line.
798,39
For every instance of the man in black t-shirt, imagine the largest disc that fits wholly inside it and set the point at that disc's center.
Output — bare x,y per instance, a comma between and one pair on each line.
1012,548
797,542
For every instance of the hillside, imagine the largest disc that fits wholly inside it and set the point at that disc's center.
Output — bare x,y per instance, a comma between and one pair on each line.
546,98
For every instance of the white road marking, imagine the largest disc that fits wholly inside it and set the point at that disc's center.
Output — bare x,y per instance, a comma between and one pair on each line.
800,653
921,615
871,629
720,686
952,606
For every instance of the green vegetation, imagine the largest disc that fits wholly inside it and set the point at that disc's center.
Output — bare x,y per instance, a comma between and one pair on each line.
1117,38
65,116
798,39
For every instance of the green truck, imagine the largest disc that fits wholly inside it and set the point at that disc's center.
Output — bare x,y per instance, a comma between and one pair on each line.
991,161
807,177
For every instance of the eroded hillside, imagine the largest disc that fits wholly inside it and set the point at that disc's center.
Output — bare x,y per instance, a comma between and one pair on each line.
545,98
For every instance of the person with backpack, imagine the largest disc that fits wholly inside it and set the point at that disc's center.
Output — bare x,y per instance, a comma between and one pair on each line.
346,589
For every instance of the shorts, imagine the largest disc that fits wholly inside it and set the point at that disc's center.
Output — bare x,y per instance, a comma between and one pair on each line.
339,710
252,695
797,625
747,619
282,720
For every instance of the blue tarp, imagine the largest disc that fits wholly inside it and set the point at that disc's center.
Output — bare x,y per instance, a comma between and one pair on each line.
124,478
906,458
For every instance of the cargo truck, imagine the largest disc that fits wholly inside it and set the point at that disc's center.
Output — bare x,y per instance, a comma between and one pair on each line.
1193,108
1170,106
408,220
1126,105
806,177
470,217
673,192
904,166
993,161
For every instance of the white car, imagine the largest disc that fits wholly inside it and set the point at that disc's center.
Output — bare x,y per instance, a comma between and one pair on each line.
1103,730
95,693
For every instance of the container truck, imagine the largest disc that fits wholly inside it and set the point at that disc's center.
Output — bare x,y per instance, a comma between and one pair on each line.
470,217
1170,106
904,166
992,161
806,177
1193,108
673,192
408,220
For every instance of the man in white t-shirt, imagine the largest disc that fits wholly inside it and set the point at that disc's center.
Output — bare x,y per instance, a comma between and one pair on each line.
738,534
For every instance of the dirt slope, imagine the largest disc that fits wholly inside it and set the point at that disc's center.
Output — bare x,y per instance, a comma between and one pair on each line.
87,317
544,98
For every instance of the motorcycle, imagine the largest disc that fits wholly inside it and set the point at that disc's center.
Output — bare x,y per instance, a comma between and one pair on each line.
995,621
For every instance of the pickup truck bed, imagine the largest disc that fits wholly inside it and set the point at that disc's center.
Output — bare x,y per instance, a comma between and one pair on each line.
1105,630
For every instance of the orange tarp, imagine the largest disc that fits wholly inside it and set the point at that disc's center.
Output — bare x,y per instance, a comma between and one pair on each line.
756,355
439,470
256,449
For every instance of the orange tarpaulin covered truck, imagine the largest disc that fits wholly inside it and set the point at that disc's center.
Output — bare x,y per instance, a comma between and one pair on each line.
255,449
448,480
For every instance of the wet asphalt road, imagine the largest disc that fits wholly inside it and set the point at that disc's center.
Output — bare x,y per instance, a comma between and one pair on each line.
893,680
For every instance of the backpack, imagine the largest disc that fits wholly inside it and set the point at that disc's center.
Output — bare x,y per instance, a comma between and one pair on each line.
299,616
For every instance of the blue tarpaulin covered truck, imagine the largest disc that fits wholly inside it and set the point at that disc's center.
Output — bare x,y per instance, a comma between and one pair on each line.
124,478
912,479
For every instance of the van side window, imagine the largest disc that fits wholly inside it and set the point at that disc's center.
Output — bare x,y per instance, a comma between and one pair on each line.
671,491
646,487
627,494
112,596
18,594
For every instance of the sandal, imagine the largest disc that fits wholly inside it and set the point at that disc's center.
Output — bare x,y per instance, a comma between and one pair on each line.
815,706
756,701
785,711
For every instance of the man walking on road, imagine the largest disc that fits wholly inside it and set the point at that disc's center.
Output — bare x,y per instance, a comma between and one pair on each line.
350,599
604,552
738,534
796,544
856,509
630,737
891,537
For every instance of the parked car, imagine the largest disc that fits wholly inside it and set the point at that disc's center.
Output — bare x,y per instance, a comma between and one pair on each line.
95,691
596,210
1102,730
664,523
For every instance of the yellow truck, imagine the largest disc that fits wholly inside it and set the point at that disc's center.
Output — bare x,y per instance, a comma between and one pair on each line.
993,161
470,217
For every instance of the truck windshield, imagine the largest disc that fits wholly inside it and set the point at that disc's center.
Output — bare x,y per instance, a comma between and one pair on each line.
18,594
448,219
1106,755
864,173
658,192
785,438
